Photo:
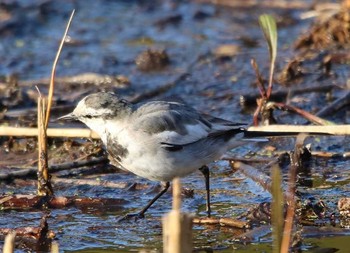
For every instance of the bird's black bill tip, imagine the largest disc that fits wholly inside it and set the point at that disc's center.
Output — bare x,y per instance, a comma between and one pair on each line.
68,117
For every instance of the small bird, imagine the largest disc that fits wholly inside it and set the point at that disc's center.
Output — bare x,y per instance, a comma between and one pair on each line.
158,140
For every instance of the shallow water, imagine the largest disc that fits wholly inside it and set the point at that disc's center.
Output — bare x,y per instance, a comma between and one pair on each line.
106,37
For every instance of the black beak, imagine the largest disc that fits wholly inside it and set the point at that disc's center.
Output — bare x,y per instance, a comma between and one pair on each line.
69,117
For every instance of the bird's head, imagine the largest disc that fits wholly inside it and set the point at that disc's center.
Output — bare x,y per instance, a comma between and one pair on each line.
96,109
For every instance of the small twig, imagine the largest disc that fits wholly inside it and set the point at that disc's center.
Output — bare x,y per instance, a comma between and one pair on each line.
52,80
260,102
288,224
263,95
305,114
260,81
222,222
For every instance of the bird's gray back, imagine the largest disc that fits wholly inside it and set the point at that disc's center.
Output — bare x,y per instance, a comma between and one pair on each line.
159,116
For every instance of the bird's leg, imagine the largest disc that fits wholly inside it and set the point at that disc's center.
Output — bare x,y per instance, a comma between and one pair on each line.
141,214
165,186
205,172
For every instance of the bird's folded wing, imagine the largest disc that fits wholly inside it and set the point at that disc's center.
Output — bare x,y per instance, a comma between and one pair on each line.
175,124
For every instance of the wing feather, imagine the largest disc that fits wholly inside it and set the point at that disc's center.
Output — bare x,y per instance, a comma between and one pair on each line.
176,124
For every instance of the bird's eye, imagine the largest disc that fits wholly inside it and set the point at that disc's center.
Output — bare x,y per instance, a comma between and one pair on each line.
88,116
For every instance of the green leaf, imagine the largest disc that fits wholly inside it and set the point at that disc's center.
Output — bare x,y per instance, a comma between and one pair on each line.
269,28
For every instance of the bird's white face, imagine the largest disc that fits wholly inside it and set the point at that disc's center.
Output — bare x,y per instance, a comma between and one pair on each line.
102,112
85,112
92,117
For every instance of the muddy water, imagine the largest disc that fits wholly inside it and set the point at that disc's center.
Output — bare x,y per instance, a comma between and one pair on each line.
105,38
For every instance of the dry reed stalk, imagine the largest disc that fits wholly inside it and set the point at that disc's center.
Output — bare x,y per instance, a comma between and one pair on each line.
53,72
55,247
44,184
9,244
177,226
327,130
87,133
222,222
51,132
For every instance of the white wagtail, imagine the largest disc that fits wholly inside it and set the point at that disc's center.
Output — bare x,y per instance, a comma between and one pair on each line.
158,140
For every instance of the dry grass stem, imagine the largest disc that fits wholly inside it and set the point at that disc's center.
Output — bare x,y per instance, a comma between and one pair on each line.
55,247
319,130
176,194
177,226
44,185
87,133
222,222
51,132
52,80
290,198
9,244
310,117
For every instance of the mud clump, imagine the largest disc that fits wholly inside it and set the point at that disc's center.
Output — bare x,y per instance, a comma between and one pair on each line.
152,60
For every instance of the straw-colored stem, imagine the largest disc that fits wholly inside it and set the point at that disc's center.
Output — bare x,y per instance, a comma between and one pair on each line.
51,132
9,244
44,185
52,80
55,247
176,194
332,130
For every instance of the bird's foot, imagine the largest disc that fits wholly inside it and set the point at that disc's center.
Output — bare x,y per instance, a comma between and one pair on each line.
130,216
